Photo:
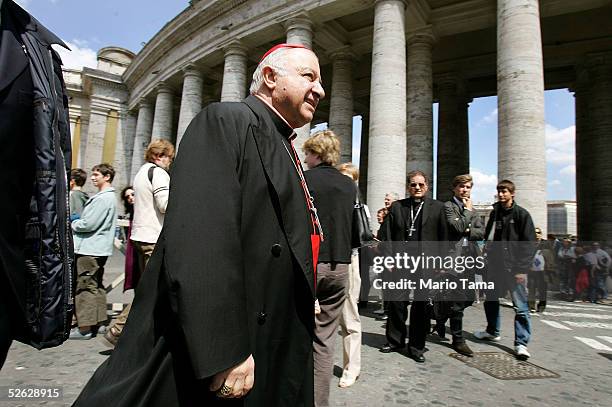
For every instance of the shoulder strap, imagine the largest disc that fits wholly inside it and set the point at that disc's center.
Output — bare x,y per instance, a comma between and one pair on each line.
150,173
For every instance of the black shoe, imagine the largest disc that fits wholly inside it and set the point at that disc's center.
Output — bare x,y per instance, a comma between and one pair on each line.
418,357
463,348
542,306
388,348
382,317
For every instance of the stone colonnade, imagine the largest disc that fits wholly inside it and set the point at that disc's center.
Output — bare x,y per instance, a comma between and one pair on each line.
398,124
520,103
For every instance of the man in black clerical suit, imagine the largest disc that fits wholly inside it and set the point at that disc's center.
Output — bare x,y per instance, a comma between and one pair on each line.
414,219
225,307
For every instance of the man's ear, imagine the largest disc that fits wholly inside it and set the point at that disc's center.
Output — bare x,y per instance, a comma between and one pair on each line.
269,77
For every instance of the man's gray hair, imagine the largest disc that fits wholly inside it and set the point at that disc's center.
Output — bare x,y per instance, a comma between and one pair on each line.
276,60
393,195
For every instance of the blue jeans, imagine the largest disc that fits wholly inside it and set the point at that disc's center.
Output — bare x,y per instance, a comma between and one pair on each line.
522,321
598,285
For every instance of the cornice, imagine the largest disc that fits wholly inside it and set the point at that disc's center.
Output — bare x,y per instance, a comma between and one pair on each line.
191,20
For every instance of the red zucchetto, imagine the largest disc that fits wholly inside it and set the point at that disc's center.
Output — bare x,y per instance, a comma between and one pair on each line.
279,46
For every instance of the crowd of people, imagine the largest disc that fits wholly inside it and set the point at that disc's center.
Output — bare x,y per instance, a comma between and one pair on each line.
247,266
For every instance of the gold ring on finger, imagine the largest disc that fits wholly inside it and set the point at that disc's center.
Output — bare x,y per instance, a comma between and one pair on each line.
225,390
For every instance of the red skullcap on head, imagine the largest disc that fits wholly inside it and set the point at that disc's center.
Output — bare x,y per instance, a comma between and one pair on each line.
279,46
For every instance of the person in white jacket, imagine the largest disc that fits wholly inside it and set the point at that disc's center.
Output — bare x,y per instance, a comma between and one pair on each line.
151,189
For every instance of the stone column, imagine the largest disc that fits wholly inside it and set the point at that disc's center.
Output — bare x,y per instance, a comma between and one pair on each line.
164,110
191,101
95,137
234,87
520,101
453,148
387,134
419,129
142,138
125,151
363,157
583,154
299,31
207,97
600,133
341,101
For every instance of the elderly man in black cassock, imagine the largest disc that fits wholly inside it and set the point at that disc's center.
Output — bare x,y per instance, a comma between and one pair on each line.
225,309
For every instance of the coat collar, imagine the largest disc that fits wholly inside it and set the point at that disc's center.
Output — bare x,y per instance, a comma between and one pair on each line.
15,22
271,137
261,109
43,35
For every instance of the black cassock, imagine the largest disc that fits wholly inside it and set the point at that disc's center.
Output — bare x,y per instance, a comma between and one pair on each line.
231,274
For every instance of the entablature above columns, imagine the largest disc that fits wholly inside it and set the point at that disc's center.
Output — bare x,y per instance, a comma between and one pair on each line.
255,23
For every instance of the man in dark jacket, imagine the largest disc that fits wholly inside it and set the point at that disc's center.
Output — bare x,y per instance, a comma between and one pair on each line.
228,312
32,182
464,229
414,219
509,262
334,195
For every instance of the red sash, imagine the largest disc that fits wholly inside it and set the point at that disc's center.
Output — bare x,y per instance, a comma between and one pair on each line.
316,237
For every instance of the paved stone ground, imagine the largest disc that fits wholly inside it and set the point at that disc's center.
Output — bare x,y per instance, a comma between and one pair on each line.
571,339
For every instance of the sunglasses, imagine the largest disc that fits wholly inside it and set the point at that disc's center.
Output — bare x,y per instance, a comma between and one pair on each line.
414,185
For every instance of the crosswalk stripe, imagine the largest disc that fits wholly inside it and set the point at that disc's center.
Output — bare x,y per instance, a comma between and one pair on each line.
572,308
594,344
588,305
606,338
556,325
576,315
576,324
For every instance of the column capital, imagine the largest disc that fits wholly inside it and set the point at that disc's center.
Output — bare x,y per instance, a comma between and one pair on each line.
190,69
235,48
163,87
144,103
342,53
423,35
300,21
447,79
376,2
451,81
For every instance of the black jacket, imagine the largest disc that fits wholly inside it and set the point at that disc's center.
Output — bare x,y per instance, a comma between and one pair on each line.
334,197
231,274
35,238
433,223
514,230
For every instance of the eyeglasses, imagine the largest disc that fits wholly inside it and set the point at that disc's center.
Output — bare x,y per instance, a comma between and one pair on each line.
419,184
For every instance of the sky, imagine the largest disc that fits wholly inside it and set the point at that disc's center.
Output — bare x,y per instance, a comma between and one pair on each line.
88,25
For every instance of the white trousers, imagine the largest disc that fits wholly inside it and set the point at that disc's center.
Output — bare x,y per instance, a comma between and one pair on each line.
350,323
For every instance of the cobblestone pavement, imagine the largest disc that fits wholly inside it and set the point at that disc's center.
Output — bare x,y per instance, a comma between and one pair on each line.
573,340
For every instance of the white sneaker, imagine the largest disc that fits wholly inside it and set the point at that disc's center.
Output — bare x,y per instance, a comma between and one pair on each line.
485,336
521,352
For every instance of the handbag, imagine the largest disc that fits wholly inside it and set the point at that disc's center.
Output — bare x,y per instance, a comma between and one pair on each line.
362,234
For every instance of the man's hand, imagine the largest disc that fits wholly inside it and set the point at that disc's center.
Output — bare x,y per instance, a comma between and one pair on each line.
239,378
467,202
